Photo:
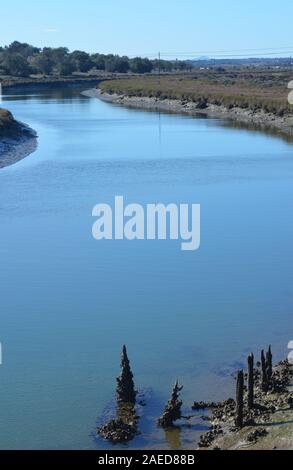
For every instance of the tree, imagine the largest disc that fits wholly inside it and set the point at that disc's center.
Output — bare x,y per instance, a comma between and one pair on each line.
98,61
139,65
43,63
65,67
117,64
26,50
15,64
82,60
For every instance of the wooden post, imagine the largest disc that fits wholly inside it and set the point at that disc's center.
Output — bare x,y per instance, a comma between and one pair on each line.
172,410
126,392
250,381
239,399
264,376
269,364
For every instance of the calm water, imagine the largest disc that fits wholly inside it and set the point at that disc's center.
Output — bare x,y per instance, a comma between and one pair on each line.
68,302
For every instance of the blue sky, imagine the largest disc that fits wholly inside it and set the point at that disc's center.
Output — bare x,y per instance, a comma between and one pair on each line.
143,27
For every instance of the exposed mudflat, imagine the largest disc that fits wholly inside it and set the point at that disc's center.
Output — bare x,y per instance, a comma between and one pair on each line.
17,140
267,426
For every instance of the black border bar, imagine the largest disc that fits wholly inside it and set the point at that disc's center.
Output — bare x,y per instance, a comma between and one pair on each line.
132,459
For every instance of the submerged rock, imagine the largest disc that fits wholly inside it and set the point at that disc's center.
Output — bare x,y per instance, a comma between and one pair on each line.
207,439
255,435
117,431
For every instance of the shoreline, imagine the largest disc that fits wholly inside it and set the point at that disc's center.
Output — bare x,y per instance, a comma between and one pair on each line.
259,120
267,424
17,140
43,84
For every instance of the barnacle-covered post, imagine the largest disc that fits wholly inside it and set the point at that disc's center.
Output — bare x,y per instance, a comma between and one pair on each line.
126,392
269,363
172,410
239,399
264,376
250,381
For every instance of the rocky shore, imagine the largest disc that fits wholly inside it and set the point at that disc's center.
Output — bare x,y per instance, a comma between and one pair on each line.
17,140
259,416
267,423
255,120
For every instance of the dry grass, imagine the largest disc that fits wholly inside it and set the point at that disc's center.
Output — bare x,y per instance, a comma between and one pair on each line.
252,89
5,118
8,126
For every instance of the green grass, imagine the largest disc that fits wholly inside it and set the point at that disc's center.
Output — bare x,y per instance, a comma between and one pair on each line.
249,89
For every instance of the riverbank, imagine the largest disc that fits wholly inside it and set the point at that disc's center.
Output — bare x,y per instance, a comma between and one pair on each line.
17,140
254,98
255,120
43,82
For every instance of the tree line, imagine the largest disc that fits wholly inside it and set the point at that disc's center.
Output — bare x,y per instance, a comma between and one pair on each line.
22,59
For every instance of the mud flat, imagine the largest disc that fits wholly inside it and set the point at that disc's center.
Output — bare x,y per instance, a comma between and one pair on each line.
17,140
267,425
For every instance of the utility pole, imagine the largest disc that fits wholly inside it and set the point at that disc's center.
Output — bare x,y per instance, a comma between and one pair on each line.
159,68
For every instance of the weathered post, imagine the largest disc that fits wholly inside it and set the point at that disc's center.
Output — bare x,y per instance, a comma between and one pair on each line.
264,376
269,363
172,410
126,392
125,426
239,399
250,381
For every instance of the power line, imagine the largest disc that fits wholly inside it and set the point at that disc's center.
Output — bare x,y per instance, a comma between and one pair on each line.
256,52
266,54
235,50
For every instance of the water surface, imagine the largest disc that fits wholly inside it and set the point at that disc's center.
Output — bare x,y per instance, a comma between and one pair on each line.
68,302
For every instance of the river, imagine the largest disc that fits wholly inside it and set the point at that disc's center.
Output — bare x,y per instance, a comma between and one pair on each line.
68,302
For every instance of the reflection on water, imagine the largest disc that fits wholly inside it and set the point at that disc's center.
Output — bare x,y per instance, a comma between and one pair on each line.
13,151
68,303
173,437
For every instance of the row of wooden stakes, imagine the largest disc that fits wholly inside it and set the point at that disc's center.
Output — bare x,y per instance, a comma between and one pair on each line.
266,365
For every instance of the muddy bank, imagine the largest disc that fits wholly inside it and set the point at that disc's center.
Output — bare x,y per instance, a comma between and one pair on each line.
267,422
17,140
255,120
